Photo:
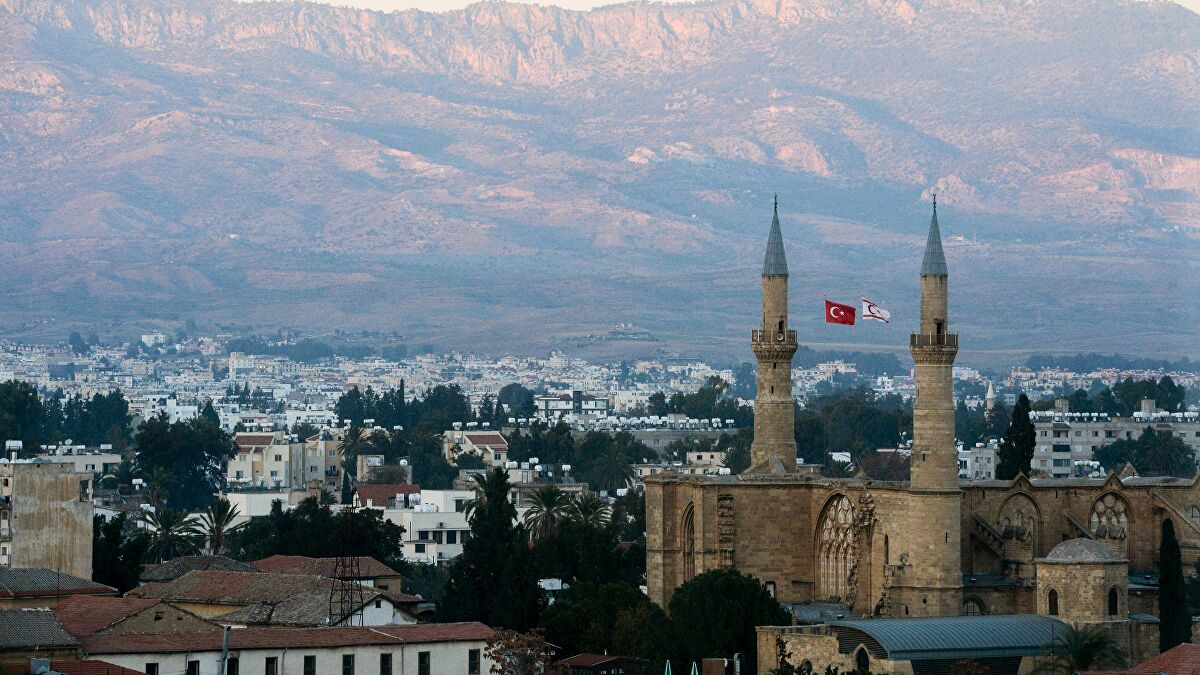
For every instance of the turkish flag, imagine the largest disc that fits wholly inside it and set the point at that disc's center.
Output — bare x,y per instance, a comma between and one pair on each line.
836,312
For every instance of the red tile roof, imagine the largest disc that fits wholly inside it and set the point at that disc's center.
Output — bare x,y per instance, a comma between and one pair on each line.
84,615
280,638
486,438
368,567
91,668
246,441
379,494
1181,659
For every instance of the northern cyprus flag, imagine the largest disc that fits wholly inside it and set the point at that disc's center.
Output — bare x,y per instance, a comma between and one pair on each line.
871,310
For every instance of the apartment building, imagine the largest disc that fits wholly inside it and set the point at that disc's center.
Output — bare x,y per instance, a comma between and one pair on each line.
46,514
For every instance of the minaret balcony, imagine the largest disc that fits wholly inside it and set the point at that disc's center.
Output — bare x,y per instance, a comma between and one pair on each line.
933,340
774,337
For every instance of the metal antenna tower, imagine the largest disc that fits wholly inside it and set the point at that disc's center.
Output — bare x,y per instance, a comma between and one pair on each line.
346,593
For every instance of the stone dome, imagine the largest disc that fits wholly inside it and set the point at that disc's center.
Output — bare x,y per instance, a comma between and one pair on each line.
1082,550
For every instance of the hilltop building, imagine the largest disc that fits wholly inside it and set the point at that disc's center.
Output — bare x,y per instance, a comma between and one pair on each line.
934,546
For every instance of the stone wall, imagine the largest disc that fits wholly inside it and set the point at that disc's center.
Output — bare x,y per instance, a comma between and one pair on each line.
51,518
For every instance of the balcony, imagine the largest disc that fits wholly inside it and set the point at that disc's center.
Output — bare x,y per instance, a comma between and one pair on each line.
933,340
773,337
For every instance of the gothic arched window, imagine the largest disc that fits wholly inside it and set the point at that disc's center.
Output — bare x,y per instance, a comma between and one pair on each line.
1052,603
835,548
1114,601
689,541
973,607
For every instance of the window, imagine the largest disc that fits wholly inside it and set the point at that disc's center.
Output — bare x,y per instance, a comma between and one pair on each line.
310,665
770,586
472,662
385,664
1113,602
459,504
158,616
378,604
1052,603
232,666
193,668
973,607
419,548
271,667
278,458
451,536
151,669
347,664
423,664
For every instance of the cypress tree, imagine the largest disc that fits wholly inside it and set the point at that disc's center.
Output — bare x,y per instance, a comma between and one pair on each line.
1175,622
1016,450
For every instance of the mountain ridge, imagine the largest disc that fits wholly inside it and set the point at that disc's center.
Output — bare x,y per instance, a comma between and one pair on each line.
201,155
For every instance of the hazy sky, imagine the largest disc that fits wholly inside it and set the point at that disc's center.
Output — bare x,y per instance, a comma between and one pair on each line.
441,5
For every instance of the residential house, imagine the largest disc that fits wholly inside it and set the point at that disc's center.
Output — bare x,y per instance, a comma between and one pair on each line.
87,615
490,446
368,571
386,496
422,649
269,599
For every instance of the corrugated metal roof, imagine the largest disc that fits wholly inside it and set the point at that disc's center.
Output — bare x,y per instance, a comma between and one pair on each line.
956,637
934,264
775,261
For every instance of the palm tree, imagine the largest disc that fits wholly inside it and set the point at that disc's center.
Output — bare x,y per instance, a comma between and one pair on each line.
1077,649
611,470
548,507
353,442
217,522
491,489
590,511
156,485
172,534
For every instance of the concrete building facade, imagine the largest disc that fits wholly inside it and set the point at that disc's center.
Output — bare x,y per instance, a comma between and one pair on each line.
46,516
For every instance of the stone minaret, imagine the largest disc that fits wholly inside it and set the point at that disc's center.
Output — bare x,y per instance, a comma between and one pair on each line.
932,583
934,458
774,447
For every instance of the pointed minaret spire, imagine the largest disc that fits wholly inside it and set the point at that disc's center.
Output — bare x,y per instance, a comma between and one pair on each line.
775,262
934,264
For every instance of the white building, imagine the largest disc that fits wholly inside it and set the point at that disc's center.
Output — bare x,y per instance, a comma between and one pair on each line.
435,526
420,649
574,403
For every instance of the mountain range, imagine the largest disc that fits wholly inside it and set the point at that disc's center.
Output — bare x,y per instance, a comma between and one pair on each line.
519,178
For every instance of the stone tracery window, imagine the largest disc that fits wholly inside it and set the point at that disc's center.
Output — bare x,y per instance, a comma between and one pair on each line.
1110,521
835,549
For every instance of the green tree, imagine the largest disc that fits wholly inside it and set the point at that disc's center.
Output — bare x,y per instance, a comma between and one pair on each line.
209,413
21,415
1152,453
492,581
218,523
117,552
590,511
1015,455
1175,623
548,507
1082,648
715,613
190,455
585,618
736,449
172,534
